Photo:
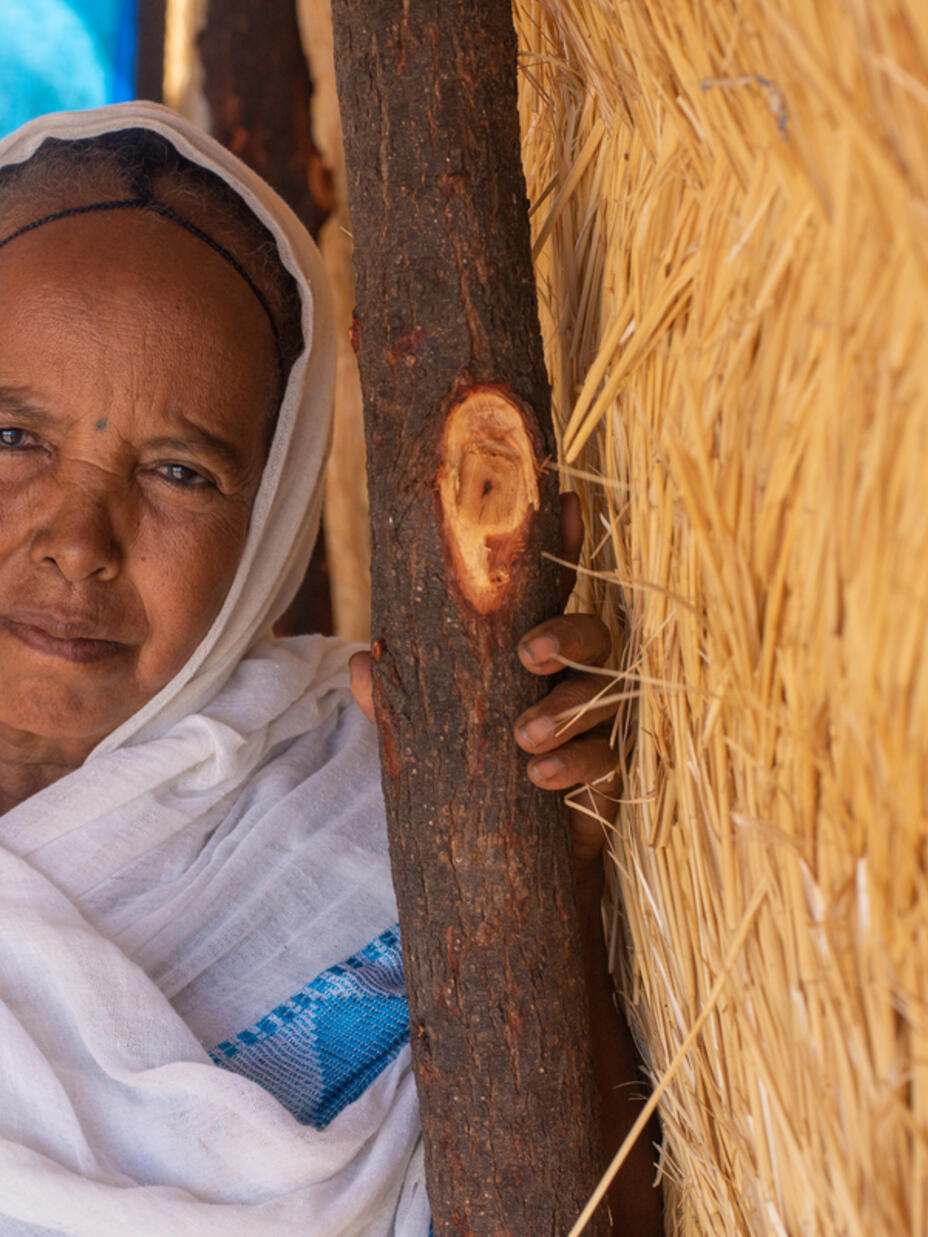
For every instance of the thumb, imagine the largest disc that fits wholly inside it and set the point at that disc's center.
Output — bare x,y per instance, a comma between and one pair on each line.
362,687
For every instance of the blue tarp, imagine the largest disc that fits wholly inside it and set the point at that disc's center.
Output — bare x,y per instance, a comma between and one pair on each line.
62,54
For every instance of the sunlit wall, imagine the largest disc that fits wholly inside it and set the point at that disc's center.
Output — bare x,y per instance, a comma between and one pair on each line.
61,54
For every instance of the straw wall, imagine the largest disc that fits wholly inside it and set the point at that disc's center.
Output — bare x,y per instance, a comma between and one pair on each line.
731,213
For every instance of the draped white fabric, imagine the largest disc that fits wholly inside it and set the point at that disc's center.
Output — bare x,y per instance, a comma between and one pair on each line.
208,860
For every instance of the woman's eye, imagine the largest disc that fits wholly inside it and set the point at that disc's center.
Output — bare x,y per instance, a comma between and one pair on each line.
11,436
182,474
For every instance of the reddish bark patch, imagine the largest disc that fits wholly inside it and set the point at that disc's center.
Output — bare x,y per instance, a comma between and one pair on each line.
404,349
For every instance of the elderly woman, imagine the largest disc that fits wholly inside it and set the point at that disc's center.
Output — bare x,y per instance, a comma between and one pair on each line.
193,865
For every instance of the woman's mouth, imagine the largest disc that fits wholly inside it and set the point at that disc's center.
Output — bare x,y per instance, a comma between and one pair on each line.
62,638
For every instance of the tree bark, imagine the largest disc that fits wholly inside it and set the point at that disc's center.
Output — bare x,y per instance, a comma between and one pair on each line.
258,88
464,503
259,92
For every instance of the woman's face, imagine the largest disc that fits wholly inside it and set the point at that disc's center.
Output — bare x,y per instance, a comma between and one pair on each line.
137,379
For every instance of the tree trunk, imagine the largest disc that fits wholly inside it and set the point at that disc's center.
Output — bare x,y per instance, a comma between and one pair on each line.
258,88
149,55
464,503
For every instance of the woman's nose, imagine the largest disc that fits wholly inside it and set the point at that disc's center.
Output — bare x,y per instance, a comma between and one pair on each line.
79,537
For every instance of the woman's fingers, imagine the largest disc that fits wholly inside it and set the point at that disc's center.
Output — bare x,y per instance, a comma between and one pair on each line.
581,638
573,707
582,760
591,815
588,766
362,685
562,761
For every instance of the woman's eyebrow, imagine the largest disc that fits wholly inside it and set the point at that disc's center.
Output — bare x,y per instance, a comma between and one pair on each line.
19,402
201,442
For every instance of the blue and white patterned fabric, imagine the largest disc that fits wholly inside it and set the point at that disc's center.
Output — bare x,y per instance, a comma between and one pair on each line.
318,1051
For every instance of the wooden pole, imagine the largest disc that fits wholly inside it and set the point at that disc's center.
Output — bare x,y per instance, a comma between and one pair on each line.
258,88
463,504
149,58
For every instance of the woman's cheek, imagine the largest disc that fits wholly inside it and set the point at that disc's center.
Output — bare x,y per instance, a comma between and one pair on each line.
182,569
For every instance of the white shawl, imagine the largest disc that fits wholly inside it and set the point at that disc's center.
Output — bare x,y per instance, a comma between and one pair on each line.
209,859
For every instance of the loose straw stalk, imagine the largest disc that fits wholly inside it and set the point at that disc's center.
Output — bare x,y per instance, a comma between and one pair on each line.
648,1111
730,246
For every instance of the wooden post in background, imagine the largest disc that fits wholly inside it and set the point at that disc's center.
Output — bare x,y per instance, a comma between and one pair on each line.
258,88
464,503
149,60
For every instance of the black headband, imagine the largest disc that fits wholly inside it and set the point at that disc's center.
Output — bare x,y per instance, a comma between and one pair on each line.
165,212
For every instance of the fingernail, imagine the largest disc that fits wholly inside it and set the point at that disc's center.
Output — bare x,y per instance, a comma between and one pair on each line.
541,649
547,767
537,731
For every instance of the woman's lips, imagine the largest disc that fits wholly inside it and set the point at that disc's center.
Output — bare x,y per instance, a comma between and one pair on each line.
63,638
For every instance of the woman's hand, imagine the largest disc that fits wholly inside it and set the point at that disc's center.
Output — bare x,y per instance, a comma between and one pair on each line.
567,733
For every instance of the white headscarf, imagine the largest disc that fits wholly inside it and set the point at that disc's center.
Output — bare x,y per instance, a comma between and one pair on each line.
212,856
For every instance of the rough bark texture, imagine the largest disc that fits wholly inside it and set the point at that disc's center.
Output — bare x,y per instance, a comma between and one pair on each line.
464,502
259,91
258,88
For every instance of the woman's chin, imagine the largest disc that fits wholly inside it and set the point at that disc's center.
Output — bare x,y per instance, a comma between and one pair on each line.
78,688
70,701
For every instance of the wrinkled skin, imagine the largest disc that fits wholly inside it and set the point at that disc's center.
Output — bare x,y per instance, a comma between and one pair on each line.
132,362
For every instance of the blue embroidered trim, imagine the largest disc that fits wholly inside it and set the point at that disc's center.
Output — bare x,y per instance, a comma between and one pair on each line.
322,1048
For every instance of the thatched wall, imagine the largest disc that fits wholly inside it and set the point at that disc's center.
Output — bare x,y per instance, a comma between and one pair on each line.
732,252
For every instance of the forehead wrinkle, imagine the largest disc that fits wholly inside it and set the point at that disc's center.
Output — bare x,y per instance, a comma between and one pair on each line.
114,319
128,244
21,404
